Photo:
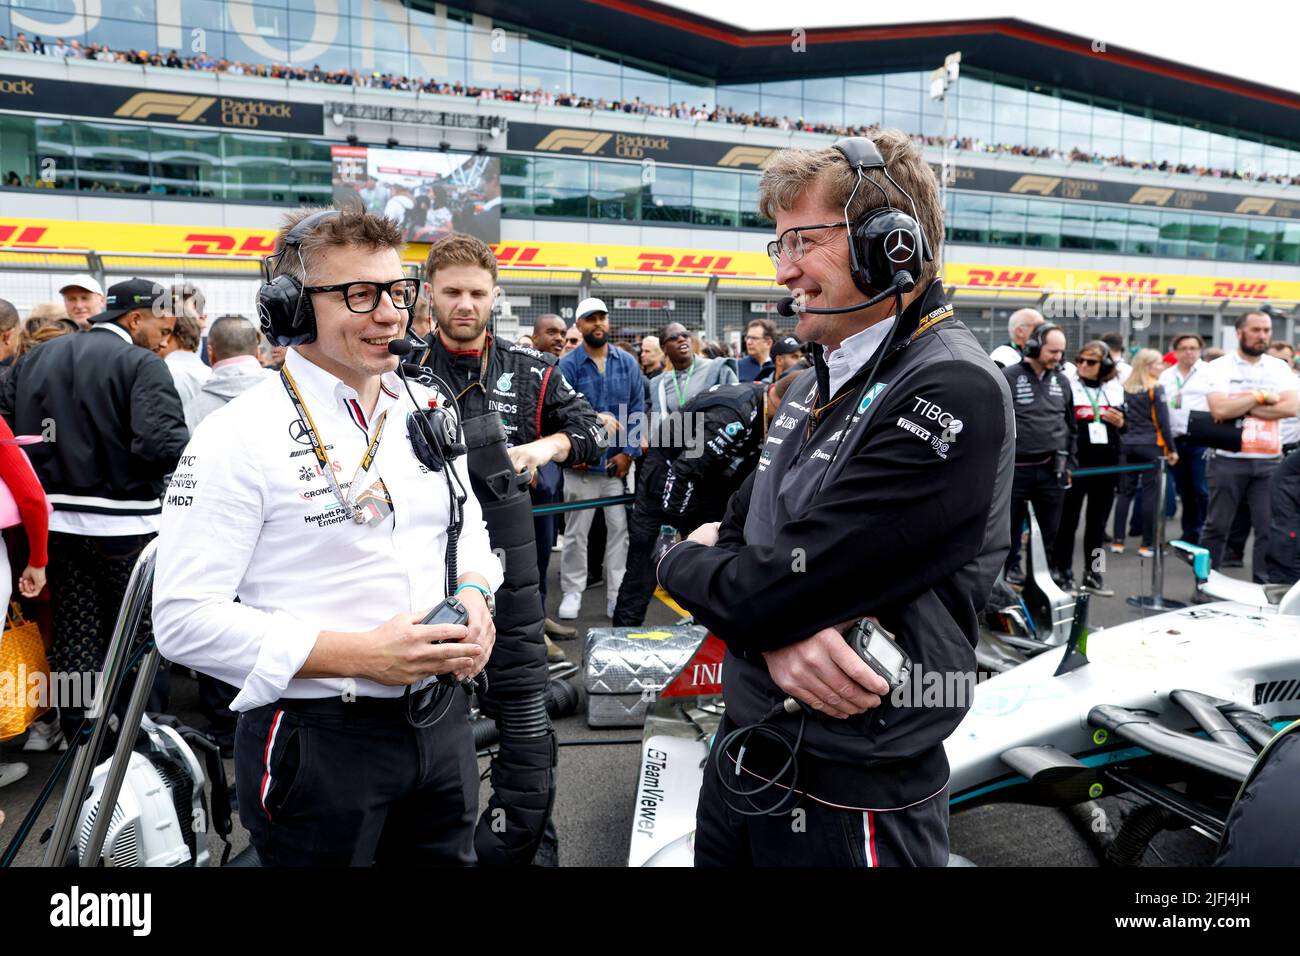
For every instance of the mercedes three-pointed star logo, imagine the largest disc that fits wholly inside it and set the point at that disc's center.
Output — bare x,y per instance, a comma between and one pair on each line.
899,246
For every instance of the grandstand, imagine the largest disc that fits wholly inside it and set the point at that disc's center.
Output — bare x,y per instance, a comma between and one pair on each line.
615,149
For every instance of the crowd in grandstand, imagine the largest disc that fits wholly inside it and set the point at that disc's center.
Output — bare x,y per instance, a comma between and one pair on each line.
684,111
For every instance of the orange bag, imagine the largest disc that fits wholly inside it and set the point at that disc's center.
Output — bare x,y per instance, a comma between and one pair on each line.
22,655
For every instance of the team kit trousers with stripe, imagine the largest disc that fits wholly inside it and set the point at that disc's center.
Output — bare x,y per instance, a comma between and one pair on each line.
336,783
814,833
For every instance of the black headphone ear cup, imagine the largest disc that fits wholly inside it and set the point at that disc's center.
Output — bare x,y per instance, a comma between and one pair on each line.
285,314
887,242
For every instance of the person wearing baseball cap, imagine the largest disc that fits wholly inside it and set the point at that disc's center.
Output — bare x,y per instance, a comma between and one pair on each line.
105,474
787,356
83,297
610,379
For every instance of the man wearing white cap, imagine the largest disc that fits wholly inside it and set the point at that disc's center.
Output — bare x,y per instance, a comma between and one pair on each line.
83,297
610,379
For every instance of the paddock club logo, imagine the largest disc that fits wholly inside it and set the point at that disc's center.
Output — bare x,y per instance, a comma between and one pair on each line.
103,101
610,144
195,109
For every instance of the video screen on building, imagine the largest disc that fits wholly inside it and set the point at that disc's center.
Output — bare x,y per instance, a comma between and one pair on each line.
429,194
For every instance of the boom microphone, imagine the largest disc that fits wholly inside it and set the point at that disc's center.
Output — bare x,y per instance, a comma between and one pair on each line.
399,347
903,282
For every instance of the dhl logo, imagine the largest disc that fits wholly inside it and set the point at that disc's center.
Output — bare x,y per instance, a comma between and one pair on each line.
1241,290
517,256
663,262
1043,185
1005,278
1152,195
756,156
582,140
210,244
29,238
1129,283
186,109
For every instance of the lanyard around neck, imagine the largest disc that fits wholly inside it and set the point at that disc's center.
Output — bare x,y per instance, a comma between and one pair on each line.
348,502
677,384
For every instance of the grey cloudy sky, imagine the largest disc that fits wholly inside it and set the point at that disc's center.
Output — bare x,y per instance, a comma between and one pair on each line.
1256,43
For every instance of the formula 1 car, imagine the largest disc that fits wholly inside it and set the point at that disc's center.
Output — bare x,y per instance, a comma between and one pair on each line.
1171,709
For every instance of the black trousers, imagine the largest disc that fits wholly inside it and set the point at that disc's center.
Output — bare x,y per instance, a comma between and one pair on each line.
1099,493
324,785
814,834
1193,491
1039,485
88,578
1129,483
1232,481
639,581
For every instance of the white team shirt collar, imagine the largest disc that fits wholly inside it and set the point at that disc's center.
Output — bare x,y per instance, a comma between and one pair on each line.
854,352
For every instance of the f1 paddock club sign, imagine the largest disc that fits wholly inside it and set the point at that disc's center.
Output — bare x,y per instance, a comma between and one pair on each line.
571,141
69,98
611,144
1128,194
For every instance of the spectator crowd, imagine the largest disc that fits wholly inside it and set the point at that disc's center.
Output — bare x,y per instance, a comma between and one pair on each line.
1091,431
702,113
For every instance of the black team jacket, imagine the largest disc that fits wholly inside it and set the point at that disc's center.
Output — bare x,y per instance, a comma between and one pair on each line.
892,502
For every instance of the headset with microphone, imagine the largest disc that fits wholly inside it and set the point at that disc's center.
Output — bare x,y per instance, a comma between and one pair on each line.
887,247
434,432
284,311
1034,344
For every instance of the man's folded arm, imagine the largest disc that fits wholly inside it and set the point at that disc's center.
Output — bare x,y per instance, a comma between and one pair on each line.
896,522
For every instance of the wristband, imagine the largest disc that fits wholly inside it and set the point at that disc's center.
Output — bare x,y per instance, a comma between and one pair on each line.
487,595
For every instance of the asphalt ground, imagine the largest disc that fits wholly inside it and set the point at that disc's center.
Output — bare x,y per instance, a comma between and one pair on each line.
597,781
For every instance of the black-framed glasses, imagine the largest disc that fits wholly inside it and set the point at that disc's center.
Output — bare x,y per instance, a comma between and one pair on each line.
791,243
1087,361
669,339
364,296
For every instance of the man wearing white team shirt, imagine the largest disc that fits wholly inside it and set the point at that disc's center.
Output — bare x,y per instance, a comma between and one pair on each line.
306,593
1248,383
1020,325
1186,385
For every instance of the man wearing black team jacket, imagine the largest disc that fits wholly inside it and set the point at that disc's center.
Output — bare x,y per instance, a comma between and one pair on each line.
698,458
888,501
1045,438
516,397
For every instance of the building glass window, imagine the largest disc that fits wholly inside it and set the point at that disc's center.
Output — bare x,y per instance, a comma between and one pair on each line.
112,158
186,162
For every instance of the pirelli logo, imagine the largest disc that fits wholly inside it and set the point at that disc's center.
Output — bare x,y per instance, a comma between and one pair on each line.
1042,185
185,109
756,156
583,141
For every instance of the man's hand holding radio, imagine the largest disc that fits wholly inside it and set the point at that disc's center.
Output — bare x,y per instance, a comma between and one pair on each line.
481,631
825,673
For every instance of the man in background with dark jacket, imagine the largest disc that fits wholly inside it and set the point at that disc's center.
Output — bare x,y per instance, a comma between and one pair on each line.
1045,439
516,396
114,430
697,459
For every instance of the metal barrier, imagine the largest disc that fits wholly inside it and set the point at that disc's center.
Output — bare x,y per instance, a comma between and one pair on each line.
1156,600
116,662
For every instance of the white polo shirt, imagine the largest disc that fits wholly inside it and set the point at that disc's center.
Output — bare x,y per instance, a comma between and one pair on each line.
1234,376
250,514
1185,393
